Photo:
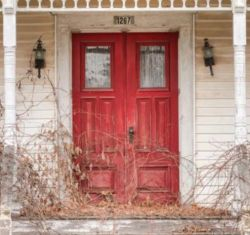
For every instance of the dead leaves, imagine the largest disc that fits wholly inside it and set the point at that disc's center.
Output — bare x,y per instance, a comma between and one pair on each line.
108,209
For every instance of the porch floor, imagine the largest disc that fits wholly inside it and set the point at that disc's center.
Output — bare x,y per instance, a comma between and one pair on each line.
174,226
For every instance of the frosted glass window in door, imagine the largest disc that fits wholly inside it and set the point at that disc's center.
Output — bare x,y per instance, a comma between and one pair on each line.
152,66
97,67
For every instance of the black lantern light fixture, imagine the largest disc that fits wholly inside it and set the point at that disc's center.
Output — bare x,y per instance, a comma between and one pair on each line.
39,56
208,56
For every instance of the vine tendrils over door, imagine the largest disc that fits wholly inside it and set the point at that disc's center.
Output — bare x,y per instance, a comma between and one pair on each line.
125,115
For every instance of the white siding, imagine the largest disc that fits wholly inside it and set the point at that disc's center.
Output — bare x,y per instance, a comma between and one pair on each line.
35,100
214,104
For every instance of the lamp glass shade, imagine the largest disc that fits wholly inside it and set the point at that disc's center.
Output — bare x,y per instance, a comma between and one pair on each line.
39,54
208,52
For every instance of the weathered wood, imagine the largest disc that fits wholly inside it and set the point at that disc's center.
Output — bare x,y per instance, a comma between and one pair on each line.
125,226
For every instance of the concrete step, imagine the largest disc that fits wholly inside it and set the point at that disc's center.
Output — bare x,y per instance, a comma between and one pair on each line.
127,227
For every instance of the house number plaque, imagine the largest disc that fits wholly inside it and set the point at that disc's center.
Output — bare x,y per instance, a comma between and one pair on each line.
124,19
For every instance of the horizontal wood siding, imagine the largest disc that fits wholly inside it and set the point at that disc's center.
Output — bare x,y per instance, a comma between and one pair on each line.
214,104
35,99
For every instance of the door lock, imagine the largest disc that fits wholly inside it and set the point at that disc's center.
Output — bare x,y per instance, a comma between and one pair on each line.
131,133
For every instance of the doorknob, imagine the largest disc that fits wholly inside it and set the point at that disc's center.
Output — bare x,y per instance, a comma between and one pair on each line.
131,133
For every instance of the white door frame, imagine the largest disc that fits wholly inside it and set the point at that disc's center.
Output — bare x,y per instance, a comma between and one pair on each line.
144,22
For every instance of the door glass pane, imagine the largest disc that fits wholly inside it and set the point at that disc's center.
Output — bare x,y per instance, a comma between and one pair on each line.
97,67
152,66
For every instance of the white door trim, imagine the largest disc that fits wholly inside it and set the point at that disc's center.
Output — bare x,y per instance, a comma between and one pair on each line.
144,22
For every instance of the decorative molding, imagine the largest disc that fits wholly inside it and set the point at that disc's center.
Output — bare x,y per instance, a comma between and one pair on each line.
239,6
9,10
9,6
112,6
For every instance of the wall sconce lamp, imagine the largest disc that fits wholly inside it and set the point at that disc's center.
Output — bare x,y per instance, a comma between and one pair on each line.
39,56
208,56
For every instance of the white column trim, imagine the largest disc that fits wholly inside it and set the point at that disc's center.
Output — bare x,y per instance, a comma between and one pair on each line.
7,163
239,44
9,43
240,94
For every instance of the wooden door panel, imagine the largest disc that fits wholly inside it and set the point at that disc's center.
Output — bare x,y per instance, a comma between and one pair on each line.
162,124
152,177
98,124
98,107
125,82
143,136
159,180
153,112
153,124
108,124
88,127
101,179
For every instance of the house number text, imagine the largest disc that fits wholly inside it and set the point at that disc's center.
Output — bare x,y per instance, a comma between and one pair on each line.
124,20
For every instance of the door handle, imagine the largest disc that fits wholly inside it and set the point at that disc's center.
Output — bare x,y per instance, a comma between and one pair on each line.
131,134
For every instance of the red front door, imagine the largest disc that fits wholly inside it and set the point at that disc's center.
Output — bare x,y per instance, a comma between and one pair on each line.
125,106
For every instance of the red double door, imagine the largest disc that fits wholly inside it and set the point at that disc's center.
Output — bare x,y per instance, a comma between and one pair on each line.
125,115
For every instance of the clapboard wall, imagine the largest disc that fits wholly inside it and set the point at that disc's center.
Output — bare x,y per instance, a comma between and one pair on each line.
35,99
214,102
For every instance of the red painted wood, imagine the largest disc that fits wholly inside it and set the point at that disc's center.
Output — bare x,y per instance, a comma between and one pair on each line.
98,119
146,169
153,112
